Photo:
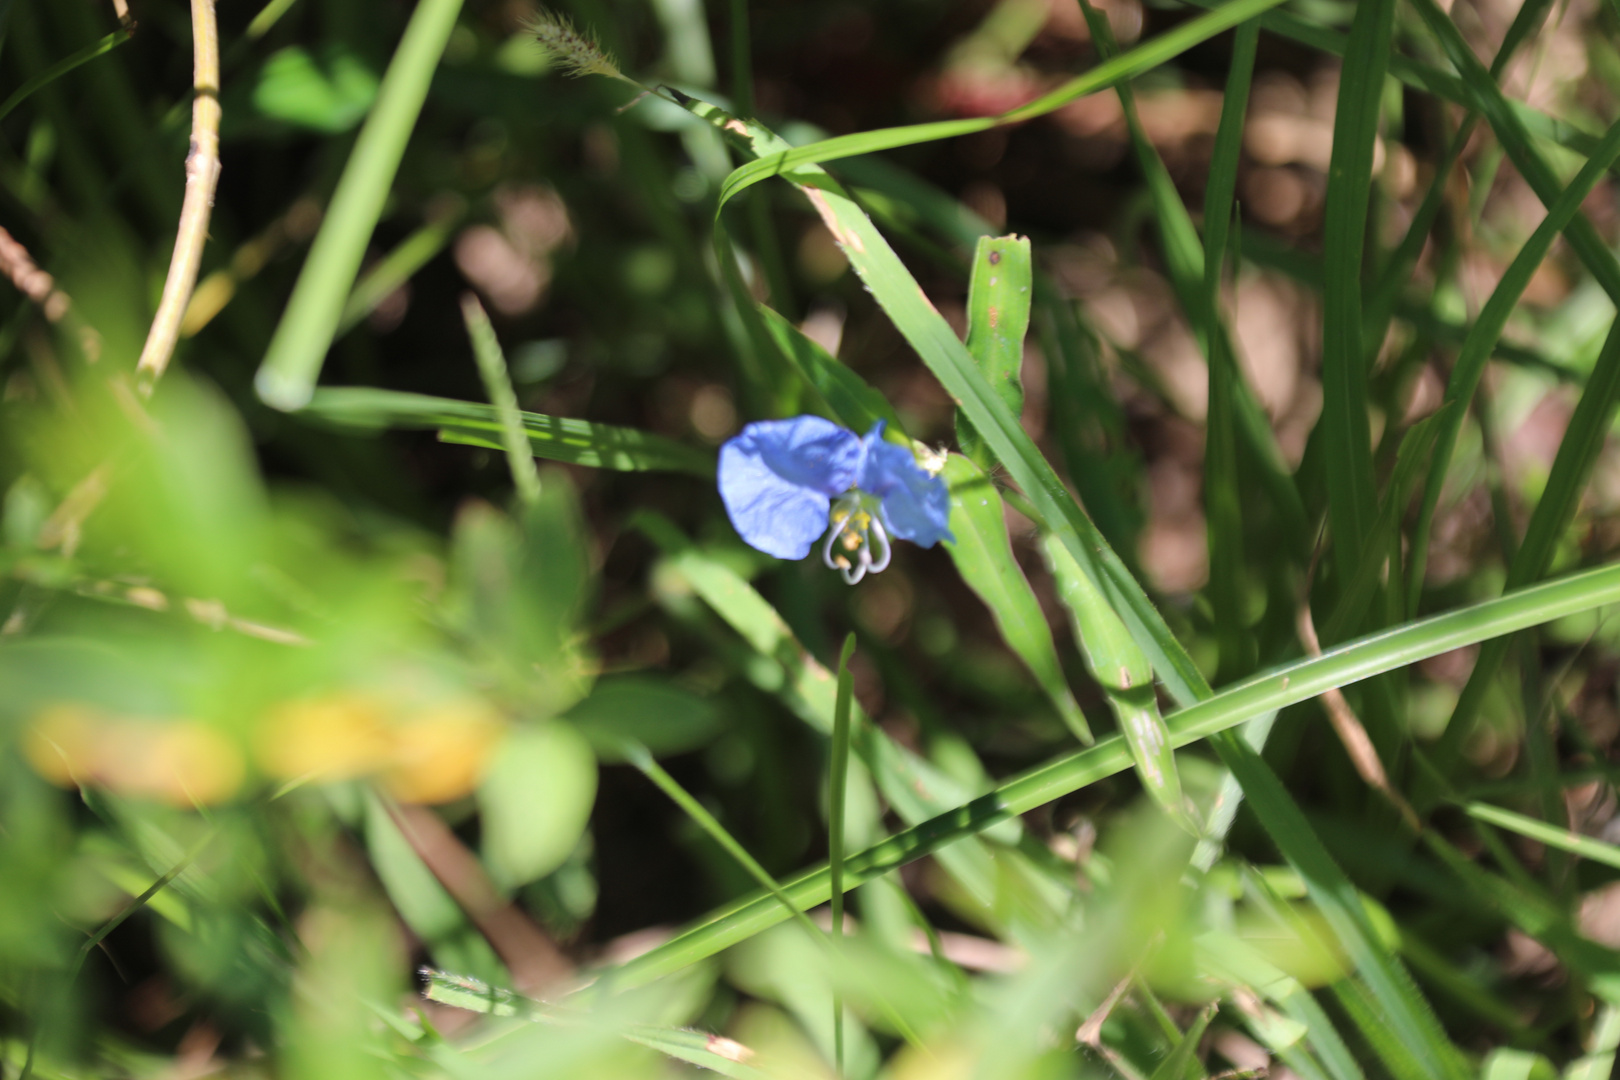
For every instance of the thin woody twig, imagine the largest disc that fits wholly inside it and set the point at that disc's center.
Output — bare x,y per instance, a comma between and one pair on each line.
1347,725
202,177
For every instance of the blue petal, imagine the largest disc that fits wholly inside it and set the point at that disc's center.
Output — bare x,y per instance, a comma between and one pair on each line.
915,506
776,477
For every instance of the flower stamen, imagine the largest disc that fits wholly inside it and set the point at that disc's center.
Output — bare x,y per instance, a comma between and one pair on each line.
857,531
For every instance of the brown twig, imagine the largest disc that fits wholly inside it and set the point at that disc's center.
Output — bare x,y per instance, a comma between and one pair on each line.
202,177
1347,725
535,962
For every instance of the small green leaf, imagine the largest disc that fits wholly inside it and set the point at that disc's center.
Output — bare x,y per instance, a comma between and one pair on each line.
556,438
999,296
535,801
329,93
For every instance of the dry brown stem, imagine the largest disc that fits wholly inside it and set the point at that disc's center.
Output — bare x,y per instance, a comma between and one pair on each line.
202,177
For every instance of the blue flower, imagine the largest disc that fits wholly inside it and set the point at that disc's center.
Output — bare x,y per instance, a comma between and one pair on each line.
779,480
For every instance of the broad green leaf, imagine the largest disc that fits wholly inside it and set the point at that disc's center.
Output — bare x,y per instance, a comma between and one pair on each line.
1276,689
1123,672
535,801
329,93
999,297
983,555
662,716
576,442
1506,1063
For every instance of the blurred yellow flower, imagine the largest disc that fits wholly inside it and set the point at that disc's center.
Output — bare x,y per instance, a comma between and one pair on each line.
332,737
177,761
440,754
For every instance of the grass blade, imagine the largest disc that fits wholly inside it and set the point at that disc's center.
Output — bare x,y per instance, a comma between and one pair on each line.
1398,1007
397,267
837,775
1577,453
852,402
292,364
1150,54
498,385
1347,445
1277,689
1487,329
1126,678
577,442
984,557
1587,847
63,66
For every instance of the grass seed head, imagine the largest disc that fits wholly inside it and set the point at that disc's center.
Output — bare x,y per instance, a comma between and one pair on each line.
575,52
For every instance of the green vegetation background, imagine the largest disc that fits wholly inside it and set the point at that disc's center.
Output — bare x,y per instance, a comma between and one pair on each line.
1261,716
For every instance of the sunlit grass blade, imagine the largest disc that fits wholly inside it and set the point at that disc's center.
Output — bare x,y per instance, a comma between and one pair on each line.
984,557
1150,54
1000,280
1276,689
577,442
292,363
1598,1061
1398,1006
1583,440
720,1055
1487,329
637,755
498,385
1126,678
1587,847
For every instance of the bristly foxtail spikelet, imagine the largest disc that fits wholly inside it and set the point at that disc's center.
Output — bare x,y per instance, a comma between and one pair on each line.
576,53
